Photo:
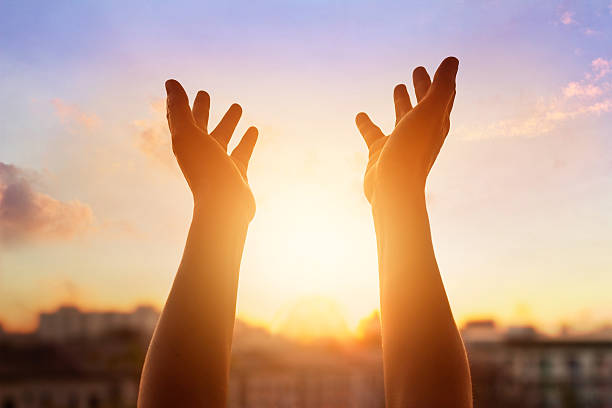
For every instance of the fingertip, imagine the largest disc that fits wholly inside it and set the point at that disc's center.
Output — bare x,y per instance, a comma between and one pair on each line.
203,94
419,72
360,118
400,90
171,85
451,64
236,108
253,132
452,60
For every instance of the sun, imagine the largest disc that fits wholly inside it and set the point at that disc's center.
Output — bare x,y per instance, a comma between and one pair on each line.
311,318
307,243
306,229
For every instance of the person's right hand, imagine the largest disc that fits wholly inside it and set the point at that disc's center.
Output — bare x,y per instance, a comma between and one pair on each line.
217,180
399,163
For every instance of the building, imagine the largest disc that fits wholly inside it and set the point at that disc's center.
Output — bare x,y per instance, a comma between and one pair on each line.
271,371
76,359
526,369
312,376
93,360
481,331
35,374
69,322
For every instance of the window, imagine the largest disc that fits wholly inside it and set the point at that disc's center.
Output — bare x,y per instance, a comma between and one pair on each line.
8,402
94,401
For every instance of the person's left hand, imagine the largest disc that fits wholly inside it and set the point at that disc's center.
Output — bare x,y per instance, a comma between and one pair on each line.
399,163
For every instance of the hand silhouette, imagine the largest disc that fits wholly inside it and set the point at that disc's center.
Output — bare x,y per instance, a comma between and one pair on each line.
399,163
217,180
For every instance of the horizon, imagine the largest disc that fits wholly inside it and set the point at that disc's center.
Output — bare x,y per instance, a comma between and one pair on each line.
519,199
356,333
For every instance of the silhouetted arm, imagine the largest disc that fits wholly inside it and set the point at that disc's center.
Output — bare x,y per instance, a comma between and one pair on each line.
187,364
424,359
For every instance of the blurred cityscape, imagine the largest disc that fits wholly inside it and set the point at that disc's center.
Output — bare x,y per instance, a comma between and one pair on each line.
77,359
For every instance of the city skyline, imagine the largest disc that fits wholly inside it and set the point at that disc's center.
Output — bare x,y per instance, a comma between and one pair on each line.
70,321
94,210
75,363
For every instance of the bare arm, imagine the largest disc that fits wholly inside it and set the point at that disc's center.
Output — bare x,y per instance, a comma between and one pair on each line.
424,359
187,363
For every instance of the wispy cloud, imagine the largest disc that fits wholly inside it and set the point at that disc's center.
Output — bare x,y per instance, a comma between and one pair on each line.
72,115
153,137
29,215
592,95
581,89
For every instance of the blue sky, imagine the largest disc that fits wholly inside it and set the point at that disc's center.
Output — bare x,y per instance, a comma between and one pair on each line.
520,198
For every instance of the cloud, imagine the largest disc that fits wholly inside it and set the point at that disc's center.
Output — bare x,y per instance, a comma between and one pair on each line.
601,67
591,95
580,89
28,215
153,137
567,18
73,116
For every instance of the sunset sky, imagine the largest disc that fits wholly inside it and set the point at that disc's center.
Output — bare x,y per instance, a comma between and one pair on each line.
94,210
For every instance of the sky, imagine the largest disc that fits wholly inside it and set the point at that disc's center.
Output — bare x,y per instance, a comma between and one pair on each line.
94,210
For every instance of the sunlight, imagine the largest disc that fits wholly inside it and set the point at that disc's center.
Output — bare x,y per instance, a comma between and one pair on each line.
311,318
310,243
310,235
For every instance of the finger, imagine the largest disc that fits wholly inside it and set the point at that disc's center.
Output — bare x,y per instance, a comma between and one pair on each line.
243,151
227,125
445,130
201,109
402,102
179,114
449,108
368,129
443,84
421,81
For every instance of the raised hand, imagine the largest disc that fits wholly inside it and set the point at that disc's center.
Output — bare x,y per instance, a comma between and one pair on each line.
425,364
188,362
399,163
217,180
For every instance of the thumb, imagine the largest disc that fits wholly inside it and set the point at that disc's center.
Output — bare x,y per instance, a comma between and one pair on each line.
245,147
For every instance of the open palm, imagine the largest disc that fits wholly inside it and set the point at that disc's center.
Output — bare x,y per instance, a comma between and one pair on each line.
400,162
216,179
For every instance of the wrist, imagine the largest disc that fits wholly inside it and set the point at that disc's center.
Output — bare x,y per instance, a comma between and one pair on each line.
401,224
399,216
223,220
237,212
398,203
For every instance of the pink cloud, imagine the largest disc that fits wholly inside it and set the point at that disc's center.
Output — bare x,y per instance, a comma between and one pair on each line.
153,137
567,17
72,115
155,143
601,67
28,215
581,89
591,95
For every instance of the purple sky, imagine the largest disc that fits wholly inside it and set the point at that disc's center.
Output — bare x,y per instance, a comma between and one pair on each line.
93,209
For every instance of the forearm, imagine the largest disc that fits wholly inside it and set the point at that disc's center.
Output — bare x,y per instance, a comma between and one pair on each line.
424,359
189,357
